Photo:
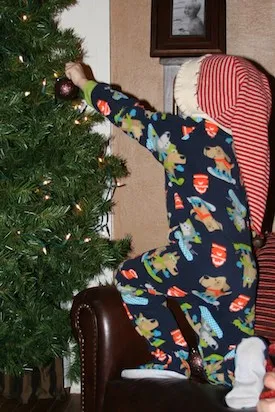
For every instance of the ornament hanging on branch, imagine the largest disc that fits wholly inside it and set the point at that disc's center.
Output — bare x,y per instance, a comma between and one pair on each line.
65,89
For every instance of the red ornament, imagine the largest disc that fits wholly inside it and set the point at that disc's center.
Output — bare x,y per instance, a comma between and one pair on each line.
65,89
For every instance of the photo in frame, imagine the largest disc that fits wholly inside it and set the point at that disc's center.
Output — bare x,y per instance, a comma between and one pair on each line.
187,27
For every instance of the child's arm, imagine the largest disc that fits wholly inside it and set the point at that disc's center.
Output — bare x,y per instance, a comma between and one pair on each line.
156,131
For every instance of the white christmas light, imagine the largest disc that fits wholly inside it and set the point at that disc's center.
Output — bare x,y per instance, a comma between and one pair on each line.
46,182
87,239
27,94
119,184
47,197
77,122
44,250
78,207
24,17
21,59
67,237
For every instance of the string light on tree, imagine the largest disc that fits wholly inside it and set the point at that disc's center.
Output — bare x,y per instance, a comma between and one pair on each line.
27,94
21,59
44,84
119,184
24,17
67,237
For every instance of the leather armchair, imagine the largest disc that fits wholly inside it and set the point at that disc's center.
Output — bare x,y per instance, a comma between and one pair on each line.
108,344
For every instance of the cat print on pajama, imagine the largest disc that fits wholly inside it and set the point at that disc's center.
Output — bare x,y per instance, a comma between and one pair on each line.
207,264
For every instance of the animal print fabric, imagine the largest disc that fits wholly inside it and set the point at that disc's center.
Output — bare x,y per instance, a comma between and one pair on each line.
207,264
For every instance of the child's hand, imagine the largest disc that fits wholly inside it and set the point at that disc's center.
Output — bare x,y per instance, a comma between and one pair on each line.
75,72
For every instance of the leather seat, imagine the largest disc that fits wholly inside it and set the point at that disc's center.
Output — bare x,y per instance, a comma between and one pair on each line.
108,344
173,395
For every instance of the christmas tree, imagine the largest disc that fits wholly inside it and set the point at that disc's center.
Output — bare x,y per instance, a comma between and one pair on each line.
57,182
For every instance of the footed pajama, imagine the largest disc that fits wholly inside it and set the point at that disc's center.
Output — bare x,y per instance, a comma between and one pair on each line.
207,264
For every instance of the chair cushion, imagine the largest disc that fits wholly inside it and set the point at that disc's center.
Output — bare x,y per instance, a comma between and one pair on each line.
265,303
164,395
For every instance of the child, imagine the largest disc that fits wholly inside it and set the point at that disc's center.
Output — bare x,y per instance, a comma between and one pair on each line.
216,163
194,26
190,24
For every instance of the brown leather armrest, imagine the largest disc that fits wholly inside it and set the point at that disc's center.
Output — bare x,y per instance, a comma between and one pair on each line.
108,342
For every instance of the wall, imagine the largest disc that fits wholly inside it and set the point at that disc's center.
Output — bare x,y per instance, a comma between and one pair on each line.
140,208
250,30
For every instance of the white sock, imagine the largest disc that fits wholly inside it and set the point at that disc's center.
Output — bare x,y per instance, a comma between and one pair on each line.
249,374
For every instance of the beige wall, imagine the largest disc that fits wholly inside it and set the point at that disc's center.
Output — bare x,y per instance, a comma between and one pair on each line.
140,208
250,31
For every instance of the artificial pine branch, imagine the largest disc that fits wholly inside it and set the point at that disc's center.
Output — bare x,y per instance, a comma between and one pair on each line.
56,188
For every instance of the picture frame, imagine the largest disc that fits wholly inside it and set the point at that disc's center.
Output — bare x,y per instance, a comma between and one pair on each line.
179,29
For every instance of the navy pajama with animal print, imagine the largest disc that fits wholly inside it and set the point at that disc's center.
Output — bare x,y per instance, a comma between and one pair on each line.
207,264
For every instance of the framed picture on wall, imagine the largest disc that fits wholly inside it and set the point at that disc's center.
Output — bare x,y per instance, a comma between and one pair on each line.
187,27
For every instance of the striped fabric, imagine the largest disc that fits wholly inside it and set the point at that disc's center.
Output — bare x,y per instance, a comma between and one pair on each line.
265,303
237,95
